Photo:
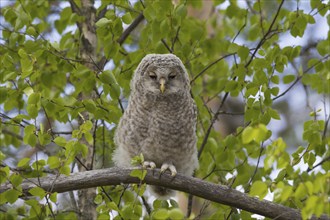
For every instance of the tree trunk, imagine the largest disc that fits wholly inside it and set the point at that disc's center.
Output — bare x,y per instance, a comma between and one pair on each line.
88,54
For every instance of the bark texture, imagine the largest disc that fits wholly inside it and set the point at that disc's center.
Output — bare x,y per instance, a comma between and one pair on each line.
210,191
88,47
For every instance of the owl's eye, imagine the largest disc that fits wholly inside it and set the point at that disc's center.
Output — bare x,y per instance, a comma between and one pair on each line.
172,76
152,75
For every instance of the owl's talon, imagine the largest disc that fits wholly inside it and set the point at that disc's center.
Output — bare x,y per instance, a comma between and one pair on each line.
170,167
149,164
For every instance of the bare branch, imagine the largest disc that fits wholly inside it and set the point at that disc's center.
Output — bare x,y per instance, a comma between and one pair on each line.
299,77
130,28
319,164
210,191
262,41
124,35
167,47
210,65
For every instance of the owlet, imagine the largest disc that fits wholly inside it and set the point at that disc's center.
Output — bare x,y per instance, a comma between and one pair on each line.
160,119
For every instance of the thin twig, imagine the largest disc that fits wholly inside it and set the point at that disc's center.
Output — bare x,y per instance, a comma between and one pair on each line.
146,205
257,166
189,205
263,39
215,117
239,31
318,164
94,145
175,38
261,18
210,65
124,35
299,78
326,122
167,47
130,28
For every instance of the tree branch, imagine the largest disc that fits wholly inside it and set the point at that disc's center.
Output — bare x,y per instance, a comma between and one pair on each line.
116,176
124,35
130,28
300,77
210,65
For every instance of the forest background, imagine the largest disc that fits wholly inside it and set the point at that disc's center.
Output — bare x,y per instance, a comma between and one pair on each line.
260,75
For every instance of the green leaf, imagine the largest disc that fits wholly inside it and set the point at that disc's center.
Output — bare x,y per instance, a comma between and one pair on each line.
149,13
53,162
28,91
243,52
127,18
66,170
259,189
3,199
300,192
248,135
22,53
53,197
98,199
32,110
89,138
44,139
34,98
160,214
137,160
107,77
15,179
23,162
2,156
315,3
60,141
38,164
90,105
275,90
32,31
4,174
174,203
274,114
232,10
113,206
104,216
181,11
81,148
286,193
139,173
275,79
3,94
12,195
86,126
37,191
258,134
233,48
289,78
323,47
102,22
231,85
175,213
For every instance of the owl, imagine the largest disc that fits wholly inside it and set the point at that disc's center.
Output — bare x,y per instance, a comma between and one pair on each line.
160,119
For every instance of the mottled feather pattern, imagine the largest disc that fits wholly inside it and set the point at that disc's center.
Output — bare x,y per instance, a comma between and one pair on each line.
161,126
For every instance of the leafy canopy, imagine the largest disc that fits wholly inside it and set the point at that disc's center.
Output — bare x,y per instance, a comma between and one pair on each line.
250,65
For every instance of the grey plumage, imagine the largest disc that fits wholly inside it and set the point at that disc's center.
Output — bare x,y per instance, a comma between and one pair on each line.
160,119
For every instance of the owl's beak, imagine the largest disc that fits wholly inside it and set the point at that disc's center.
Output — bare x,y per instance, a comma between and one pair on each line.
162,84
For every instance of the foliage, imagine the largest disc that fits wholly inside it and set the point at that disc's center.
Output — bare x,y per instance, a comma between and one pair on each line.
55,102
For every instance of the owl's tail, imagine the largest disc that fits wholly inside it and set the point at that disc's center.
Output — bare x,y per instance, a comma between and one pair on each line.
162,192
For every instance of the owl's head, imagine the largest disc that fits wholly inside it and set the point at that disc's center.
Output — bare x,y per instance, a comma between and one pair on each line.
161,74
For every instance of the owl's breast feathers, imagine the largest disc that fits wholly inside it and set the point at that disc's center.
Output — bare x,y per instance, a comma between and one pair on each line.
161,126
